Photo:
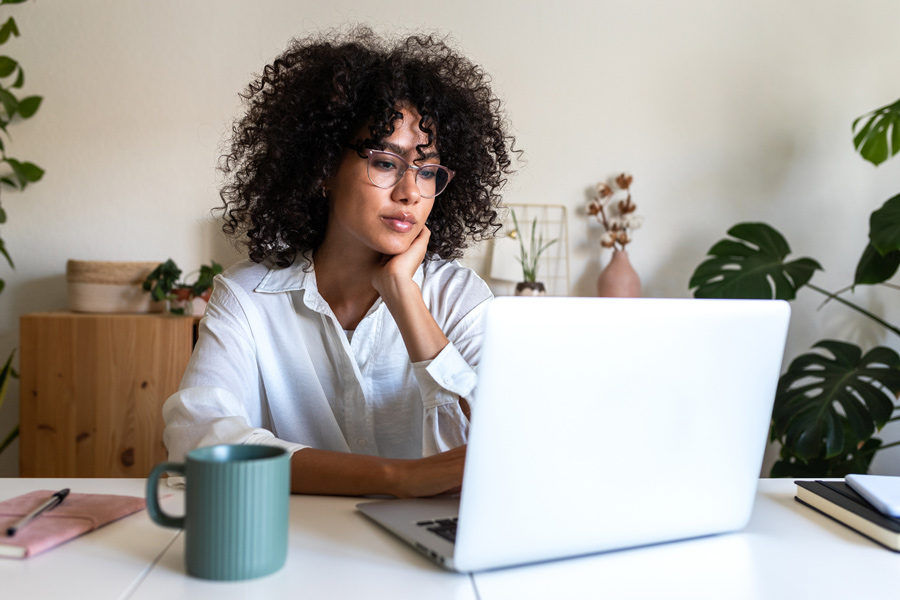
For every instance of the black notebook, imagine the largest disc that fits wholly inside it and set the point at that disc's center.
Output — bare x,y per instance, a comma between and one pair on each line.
837,500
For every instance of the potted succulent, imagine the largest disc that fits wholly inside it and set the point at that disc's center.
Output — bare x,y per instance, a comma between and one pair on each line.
164,286
529,286
831,402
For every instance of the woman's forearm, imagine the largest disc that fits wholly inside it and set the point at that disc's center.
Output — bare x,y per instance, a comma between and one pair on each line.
342,474
421,334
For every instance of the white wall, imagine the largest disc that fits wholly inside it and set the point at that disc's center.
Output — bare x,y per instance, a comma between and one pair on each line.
723,111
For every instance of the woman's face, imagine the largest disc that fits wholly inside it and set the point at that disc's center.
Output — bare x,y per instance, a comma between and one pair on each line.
365,218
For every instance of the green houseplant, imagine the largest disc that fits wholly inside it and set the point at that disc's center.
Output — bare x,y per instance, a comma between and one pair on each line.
529,258
831,402
164,285
19,173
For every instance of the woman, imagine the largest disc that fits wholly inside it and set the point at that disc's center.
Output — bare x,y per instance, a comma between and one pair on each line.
359,172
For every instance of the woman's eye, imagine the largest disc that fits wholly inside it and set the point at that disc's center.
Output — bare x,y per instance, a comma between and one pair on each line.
384,164
428,173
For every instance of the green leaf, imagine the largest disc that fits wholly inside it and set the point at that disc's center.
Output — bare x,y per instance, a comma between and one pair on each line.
18,172
752,266
5,253
161,280
205,278
884,226
2,216
851,460
9,439
874,268
10,103
28,106
828,402
5,376
8,181
878,139
20,79
31,171
12,2
8,28
7,66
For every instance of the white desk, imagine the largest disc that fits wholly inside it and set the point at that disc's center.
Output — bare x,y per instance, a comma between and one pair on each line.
787,551
107,563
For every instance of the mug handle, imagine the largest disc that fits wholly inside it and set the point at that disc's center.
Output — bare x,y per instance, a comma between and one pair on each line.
156,513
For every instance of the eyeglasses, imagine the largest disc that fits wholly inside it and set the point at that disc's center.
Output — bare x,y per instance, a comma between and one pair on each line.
386,169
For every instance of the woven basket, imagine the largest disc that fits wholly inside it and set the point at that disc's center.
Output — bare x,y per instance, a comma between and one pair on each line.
109,286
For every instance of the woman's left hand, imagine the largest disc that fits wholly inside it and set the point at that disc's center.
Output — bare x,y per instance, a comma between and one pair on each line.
395,271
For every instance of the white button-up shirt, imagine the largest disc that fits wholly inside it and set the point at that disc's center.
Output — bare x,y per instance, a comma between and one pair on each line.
273,366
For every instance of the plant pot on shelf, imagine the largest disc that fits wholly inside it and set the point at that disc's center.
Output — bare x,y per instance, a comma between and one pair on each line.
108,286
530,288
619,279
190,304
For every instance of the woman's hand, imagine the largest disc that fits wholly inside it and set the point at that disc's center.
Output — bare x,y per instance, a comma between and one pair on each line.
430,476
397,271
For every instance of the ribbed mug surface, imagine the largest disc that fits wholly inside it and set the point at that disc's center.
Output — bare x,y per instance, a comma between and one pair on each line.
236,511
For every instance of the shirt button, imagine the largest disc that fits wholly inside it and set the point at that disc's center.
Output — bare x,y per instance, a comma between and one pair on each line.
361,443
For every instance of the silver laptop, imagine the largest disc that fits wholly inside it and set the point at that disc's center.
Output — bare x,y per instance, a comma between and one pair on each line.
601,424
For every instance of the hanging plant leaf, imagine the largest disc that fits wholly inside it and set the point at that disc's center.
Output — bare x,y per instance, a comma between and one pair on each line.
6,255
752,266
879,136
28,106
31,172
10,103
806,415
9,28
7,66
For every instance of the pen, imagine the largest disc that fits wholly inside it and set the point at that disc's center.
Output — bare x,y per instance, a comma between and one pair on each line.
54,501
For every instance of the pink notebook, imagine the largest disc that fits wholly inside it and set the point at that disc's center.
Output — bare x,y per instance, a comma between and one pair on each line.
78,514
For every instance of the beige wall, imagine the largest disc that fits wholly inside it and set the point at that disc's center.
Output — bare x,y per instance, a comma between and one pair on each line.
723,111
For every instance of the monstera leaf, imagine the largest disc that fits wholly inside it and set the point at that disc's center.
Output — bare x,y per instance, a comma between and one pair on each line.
853,459
806,415
881,258
878,138
752,266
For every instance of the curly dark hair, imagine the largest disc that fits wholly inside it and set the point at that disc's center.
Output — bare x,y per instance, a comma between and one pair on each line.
308,107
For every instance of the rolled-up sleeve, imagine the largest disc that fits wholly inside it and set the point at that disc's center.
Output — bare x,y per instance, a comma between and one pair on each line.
445,379
220,388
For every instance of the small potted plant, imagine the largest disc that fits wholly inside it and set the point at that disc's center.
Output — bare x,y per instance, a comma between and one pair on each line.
164,286
530,286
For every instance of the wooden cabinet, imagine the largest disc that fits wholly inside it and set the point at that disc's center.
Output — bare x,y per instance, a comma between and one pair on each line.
92,389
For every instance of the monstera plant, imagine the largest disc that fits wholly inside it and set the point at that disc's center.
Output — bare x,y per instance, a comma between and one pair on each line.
831,401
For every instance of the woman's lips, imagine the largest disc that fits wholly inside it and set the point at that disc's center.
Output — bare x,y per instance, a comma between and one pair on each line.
402,223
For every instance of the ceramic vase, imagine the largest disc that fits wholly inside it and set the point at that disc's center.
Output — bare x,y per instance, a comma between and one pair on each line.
530,288
619,279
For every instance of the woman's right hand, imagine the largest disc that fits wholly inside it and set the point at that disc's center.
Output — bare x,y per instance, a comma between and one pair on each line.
437,474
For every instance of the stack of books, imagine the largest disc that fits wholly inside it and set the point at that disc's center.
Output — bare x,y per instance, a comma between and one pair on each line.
836,499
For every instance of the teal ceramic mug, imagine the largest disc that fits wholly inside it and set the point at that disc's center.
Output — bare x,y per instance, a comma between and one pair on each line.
236,510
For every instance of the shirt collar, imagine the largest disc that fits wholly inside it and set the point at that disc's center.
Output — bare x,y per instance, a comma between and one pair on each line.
300,277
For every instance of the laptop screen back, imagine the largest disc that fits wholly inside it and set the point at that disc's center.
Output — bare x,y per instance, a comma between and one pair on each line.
609,423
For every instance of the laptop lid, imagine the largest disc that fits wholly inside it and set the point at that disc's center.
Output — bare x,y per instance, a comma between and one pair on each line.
603,423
